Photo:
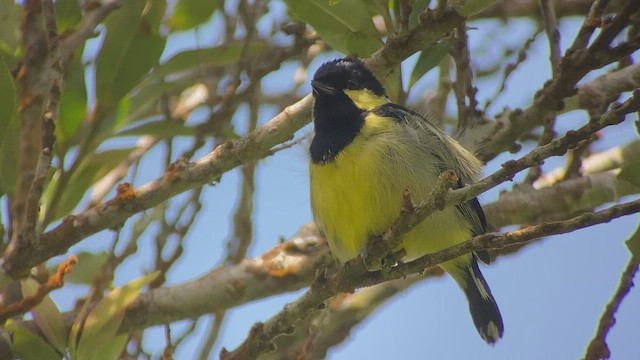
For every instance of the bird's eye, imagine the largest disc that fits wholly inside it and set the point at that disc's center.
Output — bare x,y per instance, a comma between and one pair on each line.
352,84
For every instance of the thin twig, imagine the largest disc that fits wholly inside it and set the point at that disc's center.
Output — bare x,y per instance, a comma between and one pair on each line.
575,64
56,281
242,236
547,7
167,353
380,246
212,336
598,348
511,67
403,17
556,147
468,113
548,134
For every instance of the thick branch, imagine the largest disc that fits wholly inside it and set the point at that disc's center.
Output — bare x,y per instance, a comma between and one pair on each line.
556,147
210,168
287,267
182,176
558,201
29,233
261,337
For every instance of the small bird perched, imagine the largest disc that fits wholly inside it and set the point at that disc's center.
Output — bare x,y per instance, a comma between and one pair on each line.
365,152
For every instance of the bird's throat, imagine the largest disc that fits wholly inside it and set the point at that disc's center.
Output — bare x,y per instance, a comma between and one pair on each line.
337,122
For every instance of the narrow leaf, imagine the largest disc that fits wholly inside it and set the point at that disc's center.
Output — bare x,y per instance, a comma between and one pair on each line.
429,58
29,346
68,15
191,13
90,171
631,174
9,129
417,8
7,101
633,244
111,349
345,25
73,103
162,129
132,46
103,322
10,18
219,55
47,316
89,263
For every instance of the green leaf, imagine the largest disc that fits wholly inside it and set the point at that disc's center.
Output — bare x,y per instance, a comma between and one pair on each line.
471,7
633,244
29,346
346,25
162,129
73,103
89,263
191,13
47,316
7,101
90,171
630,174
132,46
429,58
9,160
144,103
219,55
418,7
103,322
10,18
111,349
393,83
68,15
9,130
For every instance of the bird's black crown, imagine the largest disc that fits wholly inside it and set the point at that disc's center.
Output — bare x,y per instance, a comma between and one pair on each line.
348,74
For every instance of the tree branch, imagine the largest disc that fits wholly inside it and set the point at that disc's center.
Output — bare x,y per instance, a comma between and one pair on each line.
351,276
181,177
287,267
598,348
86,27
556,147
210,168
558,201
576,63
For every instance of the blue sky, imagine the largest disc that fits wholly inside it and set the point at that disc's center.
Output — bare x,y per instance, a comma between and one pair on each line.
551,294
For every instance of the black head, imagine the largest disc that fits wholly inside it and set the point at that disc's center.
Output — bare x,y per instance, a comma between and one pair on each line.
345,74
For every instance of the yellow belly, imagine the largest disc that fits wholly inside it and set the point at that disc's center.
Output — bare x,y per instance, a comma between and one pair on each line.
359,194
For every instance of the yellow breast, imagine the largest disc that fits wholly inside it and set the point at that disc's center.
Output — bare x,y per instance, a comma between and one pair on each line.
359,193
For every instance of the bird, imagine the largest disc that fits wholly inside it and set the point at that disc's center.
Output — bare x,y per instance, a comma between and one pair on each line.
365,151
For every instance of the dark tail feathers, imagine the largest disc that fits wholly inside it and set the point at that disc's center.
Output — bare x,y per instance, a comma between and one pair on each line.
484,310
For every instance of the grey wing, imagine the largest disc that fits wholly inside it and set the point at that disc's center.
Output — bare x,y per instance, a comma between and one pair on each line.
450,155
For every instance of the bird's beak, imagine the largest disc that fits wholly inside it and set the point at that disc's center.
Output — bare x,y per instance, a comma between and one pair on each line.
321,88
